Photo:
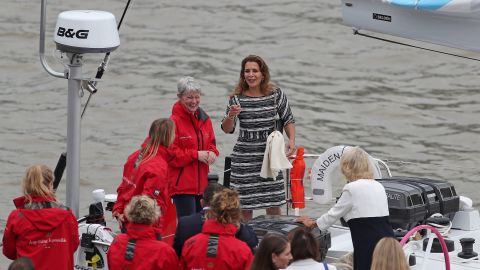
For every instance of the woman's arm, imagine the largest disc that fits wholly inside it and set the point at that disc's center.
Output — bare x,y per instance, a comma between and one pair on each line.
342,207
290,130
229,121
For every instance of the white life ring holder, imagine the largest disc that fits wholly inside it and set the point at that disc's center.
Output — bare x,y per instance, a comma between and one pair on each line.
326,171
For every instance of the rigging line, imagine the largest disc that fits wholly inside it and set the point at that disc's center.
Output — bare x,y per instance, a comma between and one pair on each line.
356,32
90,85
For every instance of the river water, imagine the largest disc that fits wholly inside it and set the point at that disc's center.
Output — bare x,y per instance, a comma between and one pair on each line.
417,110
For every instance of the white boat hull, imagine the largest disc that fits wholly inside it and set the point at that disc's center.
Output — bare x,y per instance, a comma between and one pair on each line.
457,30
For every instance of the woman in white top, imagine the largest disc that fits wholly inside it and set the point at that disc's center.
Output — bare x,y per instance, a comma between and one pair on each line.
364,206
306,253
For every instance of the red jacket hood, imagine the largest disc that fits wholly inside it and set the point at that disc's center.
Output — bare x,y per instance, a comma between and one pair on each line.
141,231
45,220
214,227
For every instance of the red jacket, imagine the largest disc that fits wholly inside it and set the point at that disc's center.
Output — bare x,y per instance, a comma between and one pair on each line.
150,178
193,133
127,183
148,254
46,234
231,253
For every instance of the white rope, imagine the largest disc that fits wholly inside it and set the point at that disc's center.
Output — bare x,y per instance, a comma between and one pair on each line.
443,229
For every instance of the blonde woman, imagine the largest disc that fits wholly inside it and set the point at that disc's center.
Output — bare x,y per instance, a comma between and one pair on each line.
148,172
363,204
41,228
216,246
389,255
139,248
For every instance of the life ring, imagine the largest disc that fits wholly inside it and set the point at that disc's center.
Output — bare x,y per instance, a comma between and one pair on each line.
326,171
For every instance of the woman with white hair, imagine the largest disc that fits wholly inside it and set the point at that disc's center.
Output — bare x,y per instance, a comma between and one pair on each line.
363,204
193,150
140,247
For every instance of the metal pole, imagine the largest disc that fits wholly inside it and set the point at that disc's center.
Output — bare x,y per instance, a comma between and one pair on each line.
73,132
43,15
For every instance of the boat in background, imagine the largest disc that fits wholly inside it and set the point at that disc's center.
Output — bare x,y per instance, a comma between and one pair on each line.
451,233
452,23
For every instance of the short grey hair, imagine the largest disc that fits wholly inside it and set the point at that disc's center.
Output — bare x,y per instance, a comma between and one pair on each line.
187,84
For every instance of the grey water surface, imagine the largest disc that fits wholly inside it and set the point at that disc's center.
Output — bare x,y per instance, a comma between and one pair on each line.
417,110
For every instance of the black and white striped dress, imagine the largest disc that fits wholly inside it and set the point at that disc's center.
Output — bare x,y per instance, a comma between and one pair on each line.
256,123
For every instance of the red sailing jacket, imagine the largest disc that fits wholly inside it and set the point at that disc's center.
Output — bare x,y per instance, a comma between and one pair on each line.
224,250
147,252
127,183
193,133
150,178
45,231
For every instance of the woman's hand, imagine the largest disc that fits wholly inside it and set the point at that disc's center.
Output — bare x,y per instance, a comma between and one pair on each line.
207,157
307,221
291,148
234,111
203,156
119,217
211,157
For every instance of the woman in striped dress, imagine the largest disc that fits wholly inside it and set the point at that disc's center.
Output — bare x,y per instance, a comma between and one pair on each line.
254,103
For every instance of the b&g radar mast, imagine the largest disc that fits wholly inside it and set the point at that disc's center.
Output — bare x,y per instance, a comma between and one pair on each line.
77,32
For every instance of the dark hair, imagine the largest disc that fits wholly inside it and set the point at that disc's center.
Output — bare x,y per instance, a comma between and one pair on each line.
265,85
304,245
22,263
272,243
211,190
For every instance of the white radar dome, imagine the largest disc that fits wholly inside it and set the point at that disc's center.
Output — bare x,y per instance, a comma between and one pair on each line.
86,31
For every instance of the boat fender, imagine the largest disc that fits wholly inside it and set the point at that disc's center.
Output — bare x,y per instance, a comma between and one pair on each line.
326,171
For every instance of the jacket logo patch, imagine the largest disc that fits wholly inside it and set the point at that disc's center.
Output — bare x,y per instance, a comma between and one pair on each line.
156,192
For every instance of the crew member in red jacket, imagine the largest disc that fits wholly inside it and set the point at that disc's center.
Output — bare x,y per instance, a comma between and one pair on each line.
139,248
216,247
125,187
145,173
41,228
193,150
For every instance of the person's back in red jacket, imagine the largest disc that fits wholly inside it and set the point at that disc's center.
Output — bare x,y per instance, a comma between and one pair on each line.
41,228
126,185
140,247
216,247
193,150
147,169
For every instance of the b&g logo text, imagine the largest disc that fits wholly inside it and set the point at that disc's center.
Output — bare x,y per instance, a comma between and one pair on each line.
70,33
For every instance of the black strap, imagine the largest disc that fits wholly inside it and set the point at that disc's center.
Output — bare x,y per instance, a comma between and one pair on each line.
130,250
44,205
139,158
212,246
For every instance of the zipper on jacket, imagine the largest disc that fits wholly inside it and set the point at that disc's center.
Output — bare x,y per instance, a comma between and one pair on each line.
199,163
178,178
198,149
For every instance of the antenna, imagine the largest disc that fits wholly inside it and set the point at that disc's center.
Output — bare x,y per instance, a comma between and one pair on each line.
77,32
